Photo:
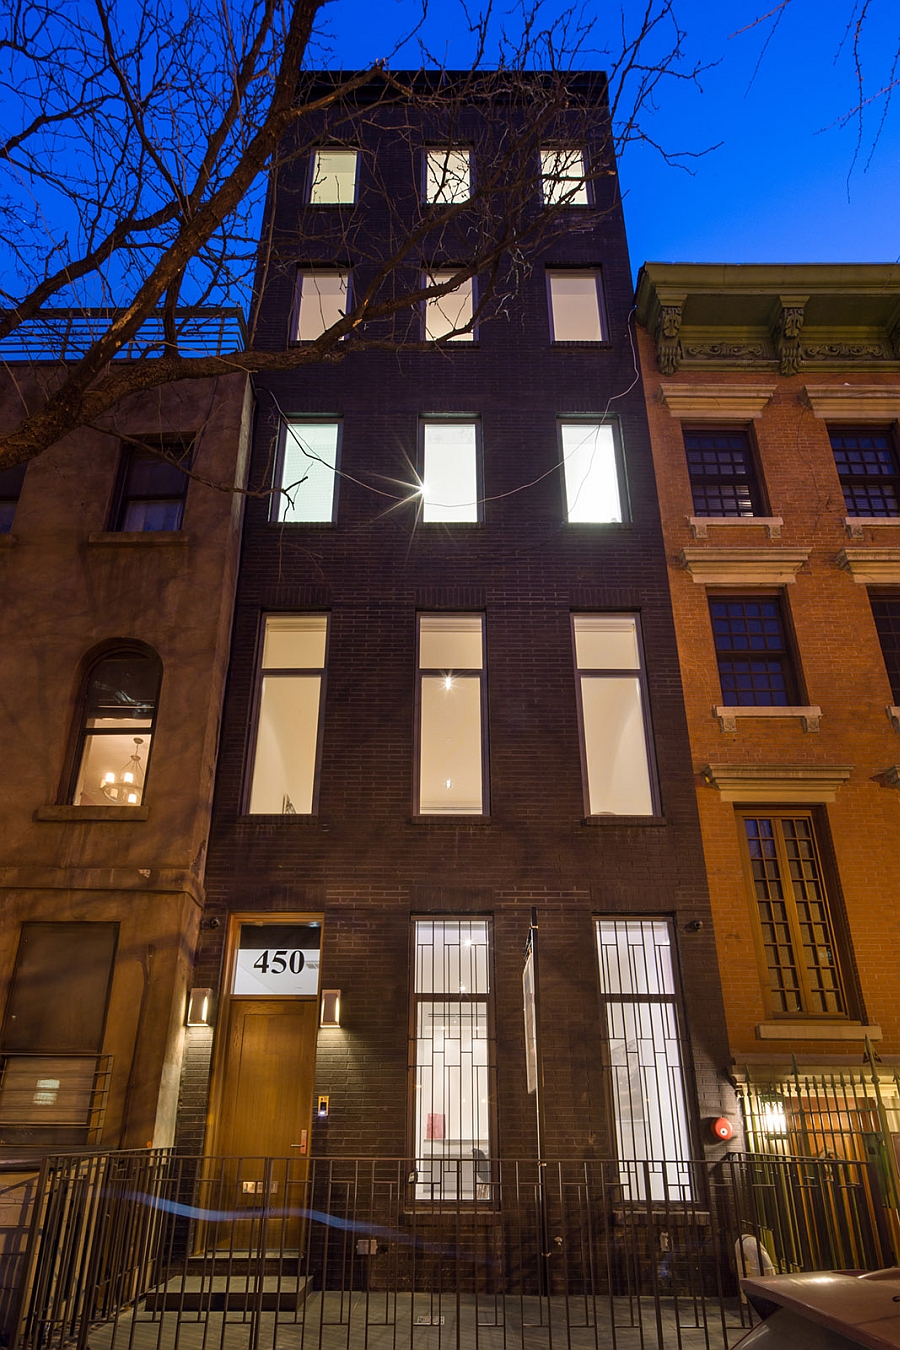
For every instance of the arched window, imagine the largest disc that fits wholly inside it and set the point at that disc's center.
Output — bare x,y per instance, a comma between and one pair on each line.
118,713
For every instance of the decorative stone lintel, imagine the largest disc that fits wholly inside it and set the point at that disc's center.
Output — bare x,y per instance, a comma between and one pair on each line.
810,783
816,1031
857,402
808,716
715,402
700,524
891,776
871,566
894,717
857,525
743,566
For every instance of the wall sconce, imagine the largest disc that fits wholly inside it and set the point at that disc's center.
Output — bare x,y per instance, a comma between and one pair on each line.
330,1009
199,1007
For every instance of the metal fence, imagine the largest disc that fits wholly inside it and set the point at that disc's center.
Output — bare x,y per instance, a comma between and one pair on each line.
66,334
162,1252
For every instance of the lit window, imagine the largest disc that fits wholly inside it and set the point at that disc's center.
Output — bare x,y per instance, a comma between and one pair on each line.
11,481
450,471
866,462
118,716
452,1086
886,612
307,472
563,177
787,890
447,176
755,665
722,473
576,306
612,703
321,302
592,471
287,724
333,181
152,488
646,1064
446,313
452,770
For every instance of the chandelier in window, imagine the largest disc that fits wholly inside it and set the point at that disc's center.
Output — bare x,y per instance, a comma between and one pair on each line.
126,786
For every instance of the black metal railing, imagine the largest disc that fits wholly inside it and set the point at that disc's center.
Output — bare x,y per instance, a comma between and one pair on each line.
66,334
141,1250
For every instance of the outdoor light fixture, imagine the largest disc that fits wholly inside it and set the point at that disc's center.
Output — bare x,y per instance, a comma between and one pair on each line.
199,1005
774,1118
330,1008
125,787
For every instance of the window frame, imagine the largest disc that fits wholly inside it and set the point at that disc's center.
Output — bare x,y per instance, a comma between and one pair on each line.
452,419
794,691
428,150
311,175
6,499
260,672
121,498
889,431
278,492
595,420
585,181
428,278
643,687
891,667
80,732
465,673
597,273
754,480
835,919
311,271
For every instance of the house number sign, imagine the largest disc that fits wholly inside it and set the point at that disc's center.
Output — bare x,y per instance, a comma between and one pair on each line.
275,960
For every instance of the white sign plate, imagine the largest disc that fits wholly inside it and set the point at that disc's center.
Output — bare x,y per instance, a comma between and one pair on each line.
275,960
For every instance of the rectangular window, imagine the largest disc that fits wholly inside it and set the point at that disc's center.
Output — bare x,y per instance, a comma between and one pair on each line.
886,611
450,471
333,178
576,306
307,472
784,878
452,768
866,462
755,666
447,176
722,473
452,1087
292,671
11,481
445,313
592,467
563,177
152,488
638,988
611,709
321,302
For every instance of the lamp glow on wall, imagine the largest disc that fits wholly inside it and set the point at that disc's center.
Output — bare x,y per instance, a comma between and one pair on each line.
330,1008
199,1008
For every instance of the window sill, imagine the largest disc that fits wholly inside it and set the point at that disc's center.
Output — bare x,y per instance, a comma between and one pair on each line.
856,525
809,716
140,537
609,819
82,814
700,524
273,817
590,343
810,1030
449,819
7,540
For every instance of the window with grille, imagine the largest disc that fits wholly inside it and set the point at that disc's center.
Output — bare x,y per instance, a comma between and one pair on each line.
452,1060
886,611
784,876
722,473
755,662
866,462
646,1057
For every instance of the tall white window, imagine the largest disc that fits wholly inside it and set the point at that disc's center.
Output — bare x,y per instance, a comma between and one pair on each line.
287,725
637,981
445,313
563,177
321,302
450,476
592,472
333,180
452,769
576,306
447,176
306,474
452,1059
611,699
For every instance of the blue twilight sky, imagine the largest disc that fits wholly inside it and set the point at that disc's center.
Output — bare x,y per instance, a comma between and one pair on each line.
781,186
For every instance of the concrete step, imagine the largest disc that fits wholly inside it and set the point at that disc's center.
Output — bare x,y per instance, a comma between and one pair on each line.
211,1292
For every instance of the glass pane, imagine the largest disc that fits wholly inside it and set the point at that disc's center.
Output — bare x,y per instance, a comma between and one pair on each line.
308,471
334,177
150,476
444,313
123,687
452,1092
562,172
592,483
286,740
294,641
451,956
75,961
576,307
112,769
450,472
450,642
323,301
614,748
635,957
606,642
446,176
277,960
152,515
450,769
